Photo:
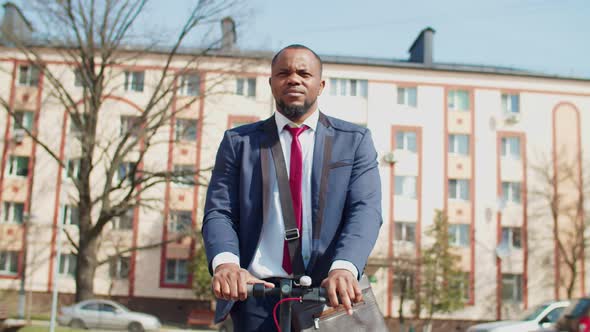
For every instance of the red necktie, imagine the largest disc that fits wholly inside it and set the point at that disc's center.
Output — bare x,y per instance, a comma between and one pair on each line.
295,176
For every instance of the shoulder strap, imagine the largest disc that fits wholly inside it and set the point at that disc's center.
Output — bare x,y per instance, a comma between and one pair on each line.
292,235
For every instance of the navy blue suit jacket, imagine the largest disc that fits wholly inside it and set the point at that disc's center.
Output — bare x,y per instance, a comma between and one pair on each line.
346,196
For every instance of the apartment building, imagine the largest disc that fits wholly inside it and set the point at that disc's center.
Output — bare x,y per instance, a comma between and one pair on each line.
464,139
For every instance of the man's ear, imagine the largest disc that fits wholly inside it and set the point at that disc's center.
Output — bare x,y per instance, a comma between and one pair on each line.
322,85
269,79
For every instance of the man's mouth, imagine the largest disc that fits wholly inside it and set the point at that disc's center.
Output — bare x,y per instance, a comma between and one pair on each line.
293,93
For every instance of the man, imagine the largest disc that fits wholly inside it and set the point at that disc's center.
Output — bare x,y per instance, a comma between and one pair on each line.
334,188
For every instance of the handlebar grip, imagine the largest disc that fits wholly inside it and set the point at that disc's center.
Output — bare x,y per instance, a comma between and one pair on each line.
316,294
258,290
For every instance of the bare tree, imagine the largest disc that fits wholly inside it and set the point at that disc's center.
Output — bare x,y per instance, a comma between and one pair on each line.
561,191
98,39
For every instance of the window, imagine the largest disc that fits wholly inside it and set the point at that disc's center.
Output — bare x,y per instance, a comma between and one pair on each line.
180,221
407,96
8,262
76,130
186,130
73,168
78,78
511,147
458,100
461,284
71,215
459,189
246,87
23,119
510,103
459,235
176,271
124,221
134,81
405,140
511,192
92,306
405,231
18,166
67,264
13,212
403,281
105,307
236,124
512,237
405,186
554,315
184,175
348,87
130,125
126,171
28,76
459,144
512,287
119,267
189,85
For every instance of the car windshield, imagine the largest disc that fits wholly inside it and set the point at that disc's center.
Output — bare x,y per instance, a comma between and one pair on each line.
533,312
578,308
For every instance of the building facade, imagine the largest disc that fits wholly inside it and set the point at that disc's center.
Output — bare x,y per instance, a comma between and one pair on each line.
467,140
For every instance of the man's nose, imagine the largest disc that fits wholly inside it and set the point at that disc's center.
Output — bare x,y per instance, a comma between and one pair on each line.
293,79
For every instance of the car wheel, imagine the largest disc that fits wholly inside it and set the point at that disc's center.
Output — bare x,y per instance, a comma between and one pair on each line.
135,327
77,324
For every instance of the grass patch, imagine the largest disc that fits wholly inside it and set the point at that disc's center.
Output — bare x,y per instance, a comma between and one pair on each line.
46,328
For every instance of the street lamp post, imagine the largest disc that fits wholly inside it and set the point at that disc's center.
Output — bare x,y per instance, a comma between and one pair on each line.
54,278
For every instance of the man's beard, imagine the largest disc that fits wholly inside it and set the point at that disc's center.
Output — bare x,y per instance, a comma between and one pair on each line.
294,112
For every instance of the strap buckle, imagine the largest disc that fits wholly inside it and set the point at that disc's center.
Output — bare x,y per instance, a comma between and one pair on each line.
292,234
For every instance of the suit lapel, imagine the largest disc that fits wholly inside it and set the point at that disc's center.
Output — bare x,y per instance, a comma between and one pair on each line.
266,141
322,153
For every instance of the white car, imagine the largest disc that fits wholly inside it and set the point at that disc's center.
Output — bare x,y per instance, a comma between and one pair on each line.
105,314
540,317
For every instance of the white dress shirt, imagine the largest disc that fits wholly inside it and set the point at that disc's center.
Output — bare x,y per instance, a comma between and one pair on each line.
268,257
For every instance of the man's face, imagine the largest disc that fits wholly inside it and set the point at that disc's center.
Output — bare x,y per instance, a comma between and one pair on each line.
296,82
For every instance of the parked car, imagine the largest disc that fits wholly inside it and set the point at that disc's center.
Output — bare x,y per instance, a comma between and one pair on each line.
106,314
542,316
570,320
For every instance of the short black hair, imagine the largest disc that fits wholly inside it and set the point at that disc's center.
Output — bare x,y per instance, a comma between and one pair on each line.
298,46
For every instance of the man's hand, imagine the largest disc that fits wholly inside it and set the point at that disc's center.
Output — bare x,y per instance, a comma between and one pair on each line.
229,282
342,284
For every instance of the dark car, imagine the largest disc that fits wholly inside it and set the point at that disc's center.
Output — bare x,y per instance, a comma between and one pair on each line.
570,320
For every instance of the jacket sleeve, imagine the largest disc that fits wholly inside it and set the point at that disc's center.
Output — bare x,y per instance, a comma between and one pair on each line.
221,215
361,217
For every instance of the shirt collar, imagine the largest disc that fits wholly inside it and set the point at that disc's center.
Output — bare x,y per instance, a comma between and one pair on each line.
311,121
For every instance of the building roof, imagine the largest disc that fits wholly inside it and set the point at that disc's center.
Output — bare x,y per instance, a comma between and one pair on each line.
350,60
405,64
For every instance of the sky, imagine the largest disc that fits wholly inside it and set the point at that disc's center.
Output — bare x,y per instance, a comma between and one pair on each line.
552,36
548,36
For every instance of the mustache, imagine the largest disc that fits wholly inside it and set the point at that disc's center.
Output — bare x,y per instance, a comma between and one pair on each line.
289,90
